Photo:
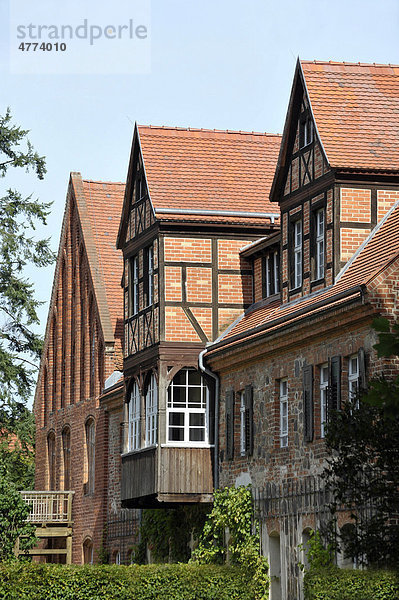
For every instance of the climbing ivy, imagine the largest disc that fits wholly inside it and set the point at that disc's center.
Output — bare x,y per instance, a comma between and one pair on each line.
167,533
230,536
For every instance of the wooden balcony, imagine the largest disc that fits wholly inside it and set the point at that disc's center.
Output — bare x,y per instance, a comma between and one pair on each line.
49,507
51,512
166,475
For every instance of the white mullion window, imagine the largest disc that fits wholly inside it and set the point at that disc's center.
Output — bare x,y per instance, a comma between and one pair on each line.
283,413
187,412
276,272
297,254
320,244
135,285
151,412
353,376
323,398
268,277
150,275
242,423
134,419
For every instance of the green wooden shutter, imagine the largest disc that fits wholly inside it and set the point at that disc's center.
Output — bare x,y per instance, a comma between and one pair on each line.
249,420
362,370
308,403
229,424
334,384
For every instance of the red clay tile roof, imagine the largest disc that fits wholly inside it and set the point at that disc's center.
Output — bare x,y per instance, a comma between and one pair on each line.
100,204
356,110
378,250
209,169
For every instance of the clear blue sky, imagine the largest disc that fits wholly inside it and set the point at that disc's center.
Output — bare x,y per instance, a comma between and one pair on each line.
224,64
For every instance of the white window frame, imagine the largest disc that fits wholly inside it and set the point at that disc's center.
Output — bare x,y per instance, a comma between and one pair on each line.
276,272
320,245
323,398
150,258
297,253
151,412
353,376
134,414
242,424
268,282
135,285
184,408
283,413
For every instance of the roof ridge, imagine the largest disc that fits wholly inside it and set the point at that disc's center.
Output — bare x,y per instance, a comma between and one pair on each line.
100,181
206,130
346,63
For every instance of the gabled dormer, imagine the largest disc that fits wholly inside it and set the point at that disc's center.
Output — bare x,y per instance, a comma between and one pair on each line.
334,179
303,186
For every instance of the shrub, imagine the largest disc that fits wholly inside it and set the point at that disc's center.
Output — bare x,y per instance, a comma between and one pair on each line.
32,581
341,584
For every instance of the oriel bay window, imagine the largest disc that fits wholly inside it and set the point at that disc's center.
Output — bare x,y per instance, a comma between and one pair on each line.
133,438
151,410
187,410
149,275
134,274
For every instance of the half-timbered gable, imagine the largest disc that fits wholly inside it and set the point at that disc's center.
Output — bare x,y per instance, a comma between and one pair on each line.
184,283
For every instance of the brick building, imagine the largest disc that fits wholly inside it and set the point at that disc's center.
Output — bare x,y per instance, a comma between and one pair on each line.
294,354
244,316
83,347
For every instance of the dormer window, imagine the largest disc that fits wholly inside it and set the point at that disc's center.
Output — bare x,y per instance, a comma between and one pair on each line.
297,254
271,274
305,130
320,214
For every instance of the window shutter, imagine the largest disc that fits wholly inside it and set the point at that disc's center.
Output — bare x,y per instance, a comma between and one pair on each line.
334,384
362,369
308,403
229,424
249,421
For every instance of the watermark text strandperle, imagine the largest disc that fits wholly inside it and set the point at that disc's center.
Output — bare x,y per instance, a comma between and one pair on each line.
82,32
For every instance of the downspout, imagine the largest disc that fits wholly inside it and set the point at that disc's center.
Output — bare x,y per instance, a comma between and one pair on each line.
216,445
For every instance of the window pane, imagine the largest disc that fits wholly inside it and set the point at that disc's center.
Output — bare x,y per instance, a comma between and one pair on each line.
176,419
176,435
197,420
179,396
197,435
194,397
180,378
194,378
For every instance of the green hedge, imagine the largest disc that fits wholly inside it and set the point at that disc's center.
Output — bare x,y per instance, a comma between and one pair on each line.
30,581
342,584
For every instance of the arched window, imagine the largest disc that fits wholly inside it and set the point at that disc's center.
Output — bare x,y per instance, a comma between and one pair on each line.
344,560
187,412
88,552
90,456
45,396
83,375
64,330
151,410
51,460
134,419
66,453
116,557
55,366
275,565
92,334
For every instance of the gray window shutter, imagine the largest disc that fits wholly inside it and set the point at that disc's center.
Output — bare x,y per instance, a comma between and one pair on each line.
334,384
308,403
229,424
362,369
249,420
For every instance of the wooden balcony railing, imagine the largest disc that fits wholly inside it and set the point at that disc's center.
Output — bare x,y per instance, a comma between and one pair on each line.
49,507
